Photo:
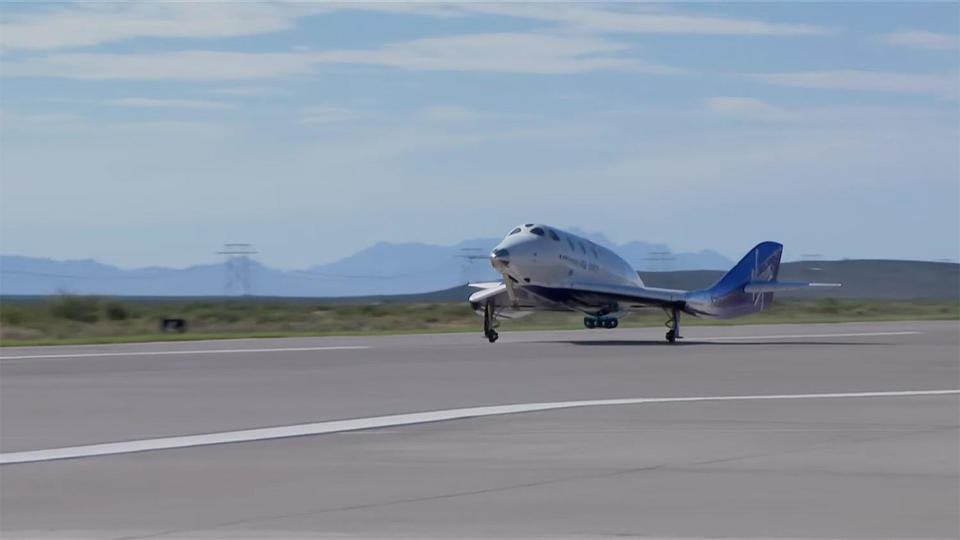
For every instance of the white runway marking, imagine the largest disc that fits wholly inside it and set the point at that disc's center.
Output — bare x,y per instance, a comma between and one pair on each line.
194,351
338,426
806,336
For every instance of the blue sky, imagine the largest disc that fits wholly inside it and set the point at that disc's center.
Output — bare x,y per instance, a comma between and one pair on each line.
150,133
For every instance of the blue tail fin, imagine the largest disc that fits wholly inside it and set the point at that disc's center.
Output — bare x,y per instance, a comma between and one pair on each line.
761,264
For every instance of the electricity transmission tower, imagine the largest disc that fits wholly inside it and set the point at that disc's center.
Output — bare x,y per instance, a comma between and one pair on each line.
237,267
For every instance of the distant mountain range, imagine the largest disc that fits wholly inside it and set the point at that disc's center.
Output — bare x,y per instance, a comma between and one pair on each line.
381,269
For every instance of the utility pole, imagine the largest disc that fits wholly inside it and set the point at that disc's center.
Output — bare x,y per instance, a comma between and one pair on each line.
237,267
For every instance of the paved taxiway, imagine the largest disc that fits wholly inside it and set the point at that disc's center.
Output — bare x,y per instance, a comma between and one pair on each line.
819,467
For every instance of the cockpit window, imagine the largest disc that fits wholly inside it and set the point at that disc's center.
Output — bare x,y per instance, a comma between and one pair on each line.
537,231
515,231
553,235
572,247
582,248
528,225
594,250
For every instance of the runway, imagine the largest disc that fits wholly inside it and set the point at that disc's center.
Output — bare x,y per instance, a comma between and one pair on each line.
815,431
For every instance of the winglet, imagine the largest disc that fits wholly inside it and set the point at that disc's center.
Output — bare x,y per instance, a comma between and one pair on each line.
484,284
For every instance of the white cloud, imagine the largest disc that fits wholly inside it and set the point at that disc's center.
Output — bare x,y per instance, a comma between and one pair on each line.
46,123
532,52
182,65
939,85
87,24
450,113
747,108
171,128
84,24
603,20
169,103
394,142
329,115
244,91
72,125
541,53
922,39
847,116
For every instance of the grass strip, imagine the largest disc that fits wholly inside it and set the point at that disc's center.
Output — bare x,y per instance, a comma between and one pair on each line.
77,320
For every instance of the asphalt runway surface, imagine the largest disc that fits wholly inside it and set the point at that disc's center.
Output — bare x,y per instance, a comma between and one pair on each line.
862,461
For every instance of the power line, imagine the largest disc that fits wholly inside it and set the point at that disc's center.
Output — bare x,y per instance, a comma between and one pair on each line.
288,273
74,276
325,275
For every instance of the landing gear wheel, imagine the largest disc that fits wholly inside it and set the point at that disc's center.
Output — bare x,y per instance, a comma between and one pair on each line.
673,323
489,322
590,322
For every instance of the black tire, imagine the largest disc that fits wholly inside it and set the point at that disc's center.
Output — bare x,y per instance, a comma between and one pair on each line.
671,336
614,323
492,336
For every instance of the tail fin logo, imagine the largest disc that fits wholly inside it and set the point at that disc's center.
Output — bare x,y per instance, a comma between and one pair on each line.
767,271
728,297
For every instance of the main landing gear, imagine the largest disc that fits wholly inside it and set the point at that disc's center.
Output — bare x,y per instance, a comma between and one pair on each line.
600,322
673,323
489,323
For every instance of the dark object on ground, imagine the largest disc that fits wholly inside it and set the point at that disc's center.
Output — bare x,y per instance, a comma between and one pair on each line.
170,326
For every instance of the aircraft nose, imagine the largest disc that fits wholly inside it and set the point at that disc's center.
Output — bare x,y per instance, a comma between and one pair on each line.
500,258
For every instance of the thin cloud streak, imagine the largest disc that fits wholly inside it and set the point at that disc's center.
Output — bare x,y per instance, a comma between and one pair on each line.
505,52
537,53
756,110
945,86
922,39
73,125
87,24
329,115
602,21
249,91
169,103
181,65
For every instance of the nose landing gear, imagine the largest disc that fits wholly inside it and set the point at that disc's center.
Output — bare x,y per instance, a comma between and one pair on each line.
489,323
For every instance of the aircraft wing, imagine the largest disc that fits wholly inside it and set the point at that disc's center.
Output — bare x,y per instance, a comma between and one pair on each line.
777,286
590,294
487,290
509,304
484,284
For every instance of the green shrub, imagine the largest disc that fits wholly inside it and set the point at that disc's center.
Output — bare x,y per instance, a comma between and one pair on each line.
11,315
117,312
75,308
828,305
